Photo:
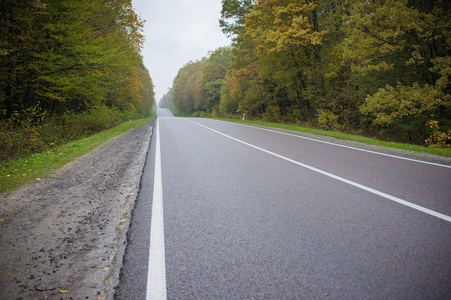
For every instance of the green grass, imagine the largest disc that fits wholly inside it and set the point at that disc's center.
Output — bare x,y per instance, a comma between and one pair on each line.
15,174
351,137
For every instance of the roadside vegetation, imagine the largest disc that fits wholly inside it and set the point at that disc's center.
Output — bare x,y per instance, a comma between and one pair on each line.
37,166
71,76
34,137
377,68
350,137
68,69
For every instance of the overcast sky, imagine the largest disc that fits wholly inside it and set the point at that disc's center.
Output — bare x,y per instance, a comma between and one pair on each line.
176,32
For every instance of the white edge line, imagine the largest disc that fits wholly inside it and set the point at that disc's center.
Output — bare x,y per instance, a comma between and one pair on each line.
344,146
355,184
156,274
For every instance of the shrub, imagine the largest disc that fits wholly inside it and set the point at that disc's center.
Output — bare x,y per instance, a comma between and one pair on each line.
328,119
34,137
438,138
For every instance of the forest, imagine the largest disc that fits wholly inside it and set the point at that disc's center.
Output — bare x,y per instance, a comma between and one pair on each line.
68,69
380,68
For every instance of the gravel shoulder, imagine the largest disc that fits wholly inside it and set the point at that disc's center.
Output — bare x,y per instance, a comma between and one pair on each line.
64,236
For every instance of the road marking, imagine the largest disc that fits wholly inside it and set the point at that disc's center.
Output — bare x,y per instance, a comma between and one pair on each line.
355,184
164,112
156,274
348,147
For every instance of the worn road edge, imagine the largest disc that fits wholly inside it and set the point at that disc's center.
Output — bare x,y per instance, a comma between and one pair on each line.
132,197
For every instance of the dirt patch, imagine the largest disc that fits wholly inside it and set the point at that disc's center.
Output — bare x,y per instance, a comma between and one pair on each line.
64,237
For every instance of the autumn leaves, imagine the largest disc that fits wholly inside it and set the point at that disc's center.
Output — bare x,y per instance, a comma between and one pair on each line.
377,66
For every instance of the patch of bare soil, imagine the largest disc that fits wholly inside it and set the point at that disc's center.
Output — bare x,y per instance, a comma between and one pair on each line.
64,237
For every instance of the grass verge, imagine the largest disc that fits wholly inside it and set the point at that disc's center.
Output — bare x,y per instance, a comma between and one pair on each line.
351,137
15,174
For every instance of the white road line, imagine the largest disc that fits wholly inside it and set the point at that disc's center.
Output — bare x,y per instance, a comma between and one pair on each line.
355,184
156,275
344,146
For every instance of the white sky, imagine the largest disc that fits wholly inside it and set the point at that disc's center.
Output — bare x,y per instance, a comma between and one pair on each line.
176,32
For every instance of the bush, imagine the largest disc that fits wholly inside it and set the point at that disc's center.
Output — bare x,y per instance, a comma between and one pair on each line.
328,120
17,142
438,138
199,114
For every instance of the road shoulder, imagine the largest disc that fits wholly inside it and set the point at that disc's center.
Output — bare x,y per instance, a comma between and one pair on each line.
65,236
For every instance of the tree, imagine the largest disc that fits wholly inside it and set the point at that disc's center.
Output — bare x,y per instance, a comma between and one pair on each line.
209,84
403,52
166,100
18,31
233,14
184,87
71,56
285,40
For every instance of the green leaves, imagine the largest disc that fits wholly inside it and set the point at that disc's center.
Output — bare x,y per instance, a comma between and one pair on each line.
233,16
78,58
198,84
360,64
73,55
394,104
405,48
276,25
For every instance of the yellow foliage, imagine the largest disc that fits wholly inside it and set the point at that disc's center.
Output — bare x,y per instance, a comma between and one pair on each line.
328,119
391,104
275,25
438,138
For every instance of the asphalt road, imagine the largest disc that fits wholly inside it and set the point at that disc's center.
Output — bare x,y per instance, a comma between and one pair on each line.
251,213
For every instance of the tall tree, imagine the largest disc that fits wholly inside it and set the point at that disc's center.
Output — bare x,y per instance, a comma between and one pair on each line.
233,14
287,43
183,94
209,84
403,52
18,31
71,55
